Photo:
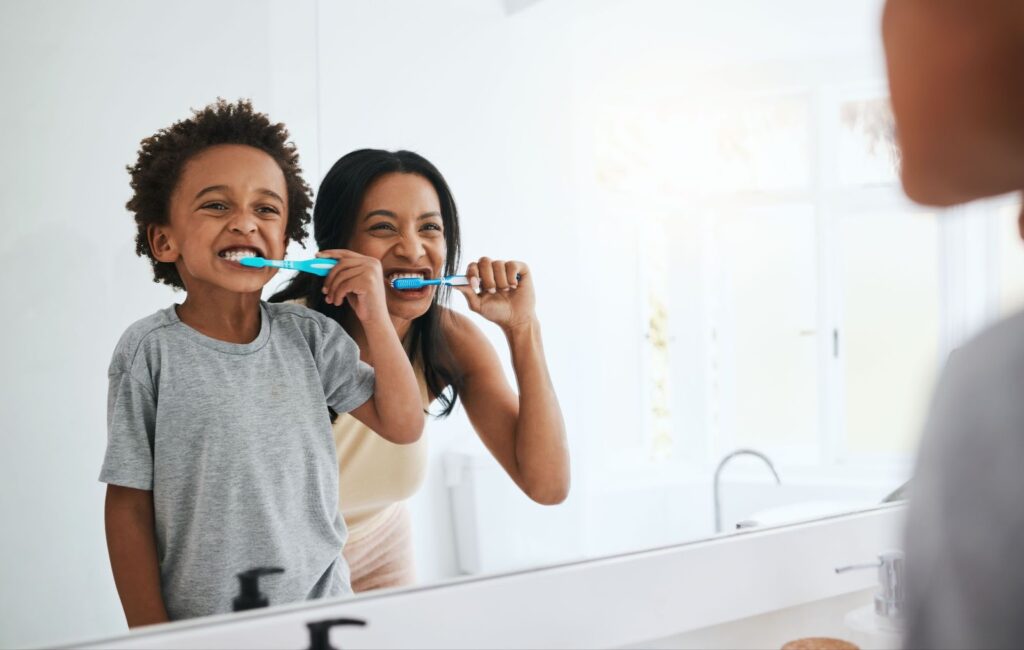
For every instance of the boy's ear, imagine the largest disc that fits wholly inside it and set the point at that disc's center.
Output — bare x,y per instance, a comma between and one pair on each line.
162,244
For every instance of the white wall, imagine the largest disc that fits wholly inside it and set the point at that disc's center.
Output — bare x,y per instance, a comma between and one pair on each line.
83,84
88,81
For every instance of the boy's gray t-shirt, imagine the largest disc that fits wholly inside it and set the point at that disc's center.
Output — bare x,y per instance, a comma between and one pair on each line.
235,442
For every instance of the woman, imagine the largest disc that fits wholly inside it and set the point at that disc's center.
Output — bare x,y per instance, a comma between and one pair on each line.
397,208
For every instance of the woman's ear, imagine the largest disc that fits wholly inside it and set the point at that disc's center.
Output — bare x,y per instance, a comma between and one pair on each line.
1020,218
161,244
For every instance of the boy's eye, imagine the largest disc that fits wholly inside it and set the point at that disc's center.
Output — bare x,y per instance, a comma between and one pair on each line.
268,210
214,205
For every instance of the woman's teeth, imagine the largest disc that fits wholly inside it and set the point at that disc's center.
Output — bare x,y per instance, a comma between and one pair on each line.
395,276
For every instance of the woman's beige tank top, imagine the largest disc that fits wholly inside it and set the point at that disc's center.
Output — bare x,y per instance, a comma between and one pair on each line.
374,474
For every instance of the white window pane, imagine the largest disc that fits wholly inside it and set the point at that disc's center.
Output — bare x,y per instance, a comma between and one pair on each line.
866,143
890,328
656,281
767,329
765,145
676,149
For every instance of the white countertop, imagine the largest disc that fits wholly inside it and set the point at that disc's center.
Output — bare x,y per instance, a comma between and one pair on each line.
609,602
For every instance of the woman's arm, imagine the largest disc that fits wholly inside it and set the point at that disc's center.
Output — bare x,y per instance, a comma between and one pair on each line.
524,432
131,542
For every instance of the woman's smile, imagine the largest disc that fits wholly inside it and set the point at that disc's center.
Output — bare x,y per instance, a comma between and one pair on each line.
409,295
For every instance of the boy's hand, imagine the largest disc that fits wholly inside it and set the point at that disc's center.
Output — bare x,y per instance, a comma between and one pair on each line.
360,279
496,294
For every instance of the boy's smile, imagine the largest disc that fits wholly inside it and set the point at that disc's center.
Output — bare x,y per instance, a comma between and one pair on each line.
228,204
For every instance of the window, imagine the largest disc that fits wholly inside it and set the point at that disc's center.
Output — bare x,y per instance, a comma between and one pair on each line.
889,344
792,299
766,329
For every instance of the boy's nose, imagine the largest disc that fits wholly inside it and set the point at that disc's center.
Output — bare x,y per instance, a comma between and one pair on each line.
242,222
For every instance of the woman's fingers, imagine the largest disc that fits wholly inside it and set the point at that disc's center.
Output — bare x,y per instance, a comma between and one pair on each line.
500,277
492,276
472,299
473,274
514,272
497,292
486,269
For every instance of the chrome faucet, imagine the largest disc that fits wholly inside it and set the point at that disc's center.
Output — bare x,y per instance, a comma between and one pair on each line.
889,600
718,475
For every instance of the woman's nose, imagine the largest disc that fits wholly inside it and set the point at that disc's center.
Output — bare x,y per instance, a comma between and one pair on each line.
410,247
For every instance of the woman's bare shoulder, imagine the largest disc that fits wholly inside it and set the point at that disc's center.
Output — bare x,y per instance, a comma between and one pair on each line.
468,343
458,327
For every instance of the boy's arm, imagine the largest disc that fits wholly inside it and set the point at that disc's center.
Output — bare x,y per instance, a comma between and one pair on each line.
395,410
131,543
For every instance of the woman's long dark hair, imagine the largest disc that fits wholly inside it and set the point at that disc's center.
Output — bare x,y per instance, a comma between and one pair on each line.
335,216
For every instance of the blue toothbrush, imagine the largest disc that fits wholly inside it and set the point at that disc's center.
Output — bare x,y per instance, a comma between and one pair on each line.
418,283
320,266
447,281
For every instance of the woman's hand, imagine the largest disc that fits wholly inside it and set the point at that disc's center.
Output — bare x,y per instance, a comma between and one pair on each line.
358,278
501,292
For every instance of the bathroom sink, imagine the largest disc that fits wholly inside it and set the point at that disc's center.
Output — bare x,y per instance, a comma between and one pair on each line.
803,510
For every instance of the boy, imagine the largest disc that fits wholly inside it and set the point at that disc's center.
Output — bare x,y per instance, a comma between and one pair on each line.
220,455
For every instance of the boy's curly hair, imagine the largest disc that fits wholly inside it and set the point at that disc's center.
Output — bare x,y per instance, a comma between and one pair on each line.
163,155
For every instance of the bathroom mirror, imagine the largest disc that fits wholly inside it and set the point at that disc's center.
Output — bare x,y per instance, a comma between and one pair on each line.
706,193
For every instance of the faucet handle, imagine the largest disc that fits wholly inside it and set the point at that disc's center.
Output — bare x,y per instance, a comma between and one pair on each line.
889,599
855,567
318,630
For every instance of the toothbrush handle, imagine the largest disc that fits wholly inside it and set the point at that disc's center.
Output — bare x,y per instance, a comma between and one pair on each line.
318,266
462,281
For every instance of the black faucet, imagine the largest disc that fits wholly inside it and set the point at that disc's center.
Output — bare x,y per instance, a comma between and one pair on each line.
318,631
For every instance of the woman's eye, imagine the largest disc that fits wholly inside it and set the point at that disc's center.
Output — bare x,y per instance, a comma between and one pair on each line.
382,226
433,226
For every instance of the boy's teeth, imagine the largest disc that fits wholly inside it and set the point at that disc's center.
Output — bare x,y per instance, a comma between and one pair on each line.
237,254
